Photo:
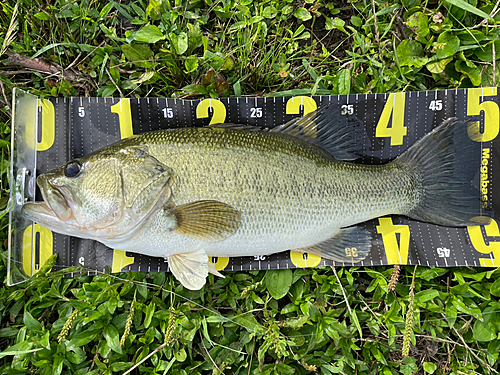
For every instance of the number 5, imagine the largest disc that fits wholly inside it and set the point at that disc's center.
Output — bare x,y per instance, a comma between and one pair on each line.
491,114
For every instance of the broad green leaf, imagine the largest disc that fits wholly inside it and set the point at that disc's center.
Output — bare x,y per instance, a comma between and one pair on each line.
438,65
426,295
180,355
451,313
238,26
237,89
255,19
137,54
486,330
486,52
120,366
468,7
270,12
144,77
355,321
411,53
447,45
83,338
474,75
249,322
179,42
191,63
112,338
278,282
336,23
469,37
8,352
149,34
356,21
154,9
495,288
76,356
344,82
42,16
281,368
419,24
430,367
150,310
409,366
302,14
31,323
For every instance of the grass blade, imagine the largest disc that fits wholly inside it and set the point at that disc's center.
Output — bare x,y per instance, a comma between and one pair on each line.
469,8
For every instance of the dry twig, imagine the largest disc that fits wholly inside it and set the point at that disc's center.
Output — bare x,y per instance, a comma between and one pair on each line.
40,65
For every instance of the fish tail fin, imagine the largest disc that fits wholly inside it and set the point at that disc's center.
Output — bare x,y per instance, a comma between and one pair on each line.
444,163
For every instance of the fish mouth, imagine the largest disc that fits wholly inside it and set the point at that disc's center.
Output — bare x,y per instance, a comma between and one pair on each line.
54,203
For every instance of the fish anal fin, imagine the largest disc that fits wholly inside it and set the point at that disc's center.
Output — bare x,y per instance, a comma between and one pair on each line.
349,245
191,269
206,220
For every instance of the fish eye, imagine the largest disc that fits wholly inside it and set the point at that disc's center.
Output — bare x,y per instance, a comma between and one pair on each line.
72,169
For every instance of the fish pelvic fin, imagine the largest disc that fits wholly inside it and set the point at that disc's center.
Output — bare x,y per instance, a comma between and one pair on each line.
191,269
206,220
349,245
444,163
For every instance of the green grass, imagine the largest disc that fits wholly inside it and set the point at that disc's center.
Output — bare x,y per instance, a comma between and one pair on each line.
343,321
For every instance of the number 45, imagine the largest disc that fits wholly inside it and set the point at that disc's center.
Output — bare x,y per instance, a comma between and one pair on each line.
436,105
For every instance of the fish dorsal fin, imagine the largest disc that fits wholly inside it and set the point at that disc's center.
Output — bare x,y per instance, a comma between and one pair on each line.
191,269
343,136
209,221
144,178
349,245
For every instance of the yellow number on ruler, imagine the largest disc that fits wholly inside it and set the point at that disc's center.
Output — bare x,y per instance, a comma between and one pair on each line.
304,260
45,250
120,260
307,103
218,108
394,106
122,109
477,240
48,128
491,114
395,254
220,263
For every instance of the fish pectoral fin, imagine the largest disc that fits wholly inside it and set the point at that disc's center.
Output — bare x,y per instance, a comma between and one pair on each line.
349,245
209,221
213,270
191,269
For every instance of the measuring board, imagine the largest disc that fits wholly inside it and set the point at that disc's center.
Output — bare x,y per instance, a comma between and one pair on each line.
49,132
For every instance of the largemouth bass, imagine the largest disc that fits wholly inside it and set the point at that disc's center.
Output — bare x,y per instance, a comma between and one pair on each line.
228,190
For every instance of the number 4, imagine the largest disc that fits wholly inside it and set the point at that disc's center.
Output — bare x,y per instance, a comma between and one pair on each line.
395,107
